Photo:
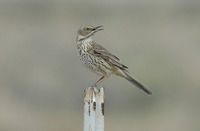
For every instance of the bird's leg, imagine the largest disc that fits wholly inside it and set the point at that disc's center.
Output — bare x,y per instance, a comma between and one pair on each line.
95,87
100,80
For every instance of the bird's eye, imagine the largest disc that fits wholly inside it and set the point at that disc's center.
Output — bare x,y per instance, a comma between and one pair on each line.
87,28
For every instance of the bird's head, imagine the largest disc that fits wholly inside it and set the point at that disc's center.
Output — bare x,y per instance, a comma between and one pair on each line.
85,32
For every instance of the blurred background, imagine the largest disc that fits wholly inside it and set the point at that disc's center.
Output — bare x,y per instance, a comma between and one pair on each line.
42,80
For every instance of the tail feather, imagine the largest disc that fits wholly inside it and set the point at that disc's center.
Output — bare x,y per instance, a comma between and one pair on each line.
138,84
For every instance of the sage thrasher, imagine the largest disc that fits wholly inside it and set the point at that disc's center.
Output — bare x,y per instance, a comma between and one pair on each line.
99,60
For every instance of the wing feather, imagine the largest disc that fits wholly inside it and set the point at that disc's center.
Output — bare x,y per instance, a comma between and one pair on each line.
100,51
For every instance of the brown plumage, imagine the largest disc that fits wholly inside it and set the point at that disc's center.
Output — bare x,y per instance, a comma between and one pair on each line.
99,60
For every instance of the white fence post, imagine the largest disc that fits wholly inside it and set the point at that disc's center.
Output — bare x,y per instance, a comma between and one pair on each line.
94,109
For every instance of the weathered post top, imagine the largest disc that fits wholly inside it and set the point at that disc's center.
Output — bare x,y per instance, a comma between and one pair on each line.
94,109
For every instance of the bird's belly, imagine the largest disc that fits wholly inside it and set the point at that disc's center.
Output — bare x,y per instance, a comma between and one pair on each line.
96,64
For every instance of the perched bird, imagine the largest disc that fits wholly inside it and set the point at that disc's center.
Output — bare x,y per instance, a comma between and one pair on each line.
99,60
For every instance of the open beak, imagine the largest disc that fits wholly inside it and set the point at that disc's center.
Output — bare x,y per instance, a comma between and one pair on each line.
98,28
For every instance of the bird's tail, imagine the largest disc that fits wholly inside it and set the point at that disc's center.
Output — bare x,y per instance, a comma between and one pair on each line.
137,83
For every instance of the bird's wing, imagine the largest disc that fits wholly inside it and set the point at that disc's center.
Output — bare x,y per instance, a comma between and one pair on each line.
100,51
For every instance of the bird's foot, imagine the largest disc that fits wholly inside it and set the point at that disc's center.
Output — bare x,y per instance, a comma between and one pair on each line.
96,89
